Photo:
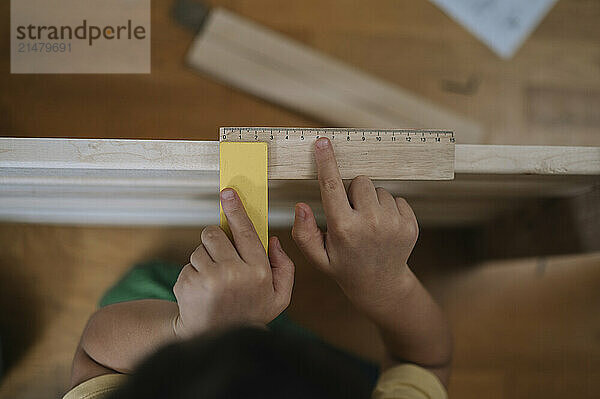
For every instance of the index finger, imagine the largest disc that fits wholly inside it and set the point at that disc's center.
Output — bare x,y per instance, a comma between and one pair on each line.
246,239
333,193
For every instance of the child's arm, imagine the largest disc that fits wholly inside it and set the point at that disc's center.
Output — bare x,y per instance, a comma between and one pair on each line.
226,283
369,238
119,335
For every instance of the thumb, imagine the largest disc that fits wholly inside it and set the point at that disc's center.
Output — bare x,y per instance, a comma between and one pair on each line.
309,237
282,269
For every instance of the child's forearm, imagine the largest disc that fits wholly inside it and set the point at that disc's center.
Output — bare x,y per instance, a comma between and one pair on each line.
118,336
413,326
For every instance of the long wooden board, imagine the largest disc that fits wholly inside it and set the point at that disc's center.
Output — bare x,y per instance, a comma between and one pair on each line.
269,65
148,182
37,154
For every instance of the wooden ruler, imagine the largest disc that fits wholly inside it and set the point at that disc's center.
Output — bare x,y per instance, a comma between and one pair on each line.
381,154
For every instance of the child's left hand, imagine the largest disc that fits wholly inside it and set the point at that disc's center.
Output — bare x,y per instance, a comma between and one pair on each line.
229,283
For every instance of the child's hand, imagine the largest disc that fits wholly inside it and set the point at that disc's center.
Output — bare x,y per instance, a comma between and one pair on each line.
229,283
370,235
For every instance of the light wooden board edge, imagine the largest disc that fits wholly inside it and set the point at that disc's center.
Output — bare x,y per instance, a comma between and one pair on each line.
536,160
203,156
269,65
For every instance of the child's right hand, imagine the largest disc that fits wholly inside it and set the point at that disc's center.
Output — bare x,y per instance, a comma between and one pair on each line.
369,237
229,282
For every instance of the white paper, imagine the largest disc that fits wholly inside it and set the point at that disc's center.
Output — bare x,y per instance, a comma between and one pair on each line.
503,25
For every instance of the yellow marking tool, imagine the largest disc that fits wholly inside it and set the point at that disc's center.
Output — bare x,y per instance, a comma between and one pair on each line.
243,167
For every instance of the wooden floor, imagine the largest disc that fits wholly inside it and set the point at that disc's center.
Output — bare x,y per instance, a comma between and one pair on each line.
523,328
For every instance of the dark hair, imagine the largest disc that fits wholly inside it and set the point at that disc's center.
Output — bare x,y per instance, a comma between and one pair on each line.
245,363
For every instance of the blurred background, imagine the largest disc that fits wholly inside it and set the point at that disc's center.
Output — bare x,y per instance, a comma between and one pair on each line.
524,328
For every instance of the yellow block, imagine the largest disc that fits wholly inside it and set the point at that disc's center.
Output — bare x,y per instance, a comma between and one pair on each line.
243,167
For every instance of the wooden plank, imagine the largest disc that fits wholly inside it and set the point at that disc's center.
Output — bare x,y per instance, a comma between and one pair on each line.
135,182
243,167
271,66
384,154
537,160
202,156
109,154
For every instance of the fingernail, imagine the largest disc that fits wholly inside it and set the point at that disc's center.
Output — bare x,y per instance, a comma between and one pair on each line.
322,143
300,212
278,244
227,194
